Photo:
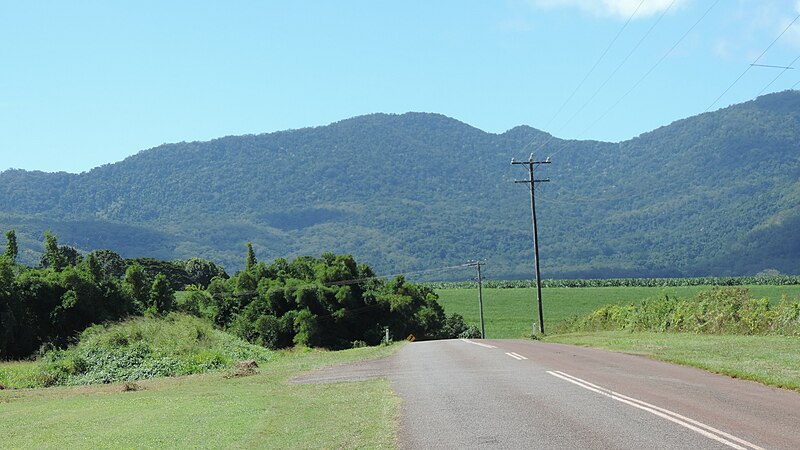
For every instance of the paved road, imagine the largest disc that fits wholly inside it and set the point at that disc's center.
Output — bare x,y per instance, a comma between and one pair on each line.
526,394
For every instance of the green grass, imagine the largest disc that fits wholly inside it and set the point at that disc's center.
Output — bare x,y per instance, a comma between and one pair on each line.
211,411
18,374
771,360
509,313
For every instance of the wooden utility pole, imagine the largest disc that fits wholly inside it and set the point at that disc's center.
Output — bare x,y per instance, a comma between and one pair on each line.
478,264
532,181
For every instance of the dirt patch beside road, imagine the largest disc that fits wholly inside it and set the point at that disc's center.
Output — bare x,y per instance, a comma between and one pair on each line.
355,371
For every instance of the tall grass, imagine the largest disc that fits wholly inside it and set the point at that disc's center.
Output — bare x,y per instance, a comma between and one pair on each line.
143,348
717,311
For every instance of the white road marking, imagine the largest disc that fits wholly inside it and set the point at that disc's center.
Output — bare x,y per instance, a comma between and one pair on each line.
478,343
699,427
516,356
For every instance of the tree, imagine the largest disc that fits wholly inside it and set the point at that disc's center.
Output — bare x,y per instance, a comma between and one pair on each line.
11,246
251,257
110,262
8,321
330,301
202,271
307,328
52,258
136,284
162,297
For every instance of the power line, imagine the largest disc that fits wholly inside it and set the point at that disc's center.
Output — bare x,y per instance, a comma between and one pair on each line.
352,281
653,67
753,64
594,66
625,60
779,74
773,67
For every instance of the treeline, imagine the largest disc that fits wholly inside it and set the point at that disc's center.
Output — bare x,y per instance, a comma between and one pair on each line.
330,302
327,302
50,304
766,280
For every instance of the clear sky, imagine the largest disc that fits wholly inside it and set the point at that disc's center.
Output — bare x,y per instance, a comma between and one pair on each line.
85,83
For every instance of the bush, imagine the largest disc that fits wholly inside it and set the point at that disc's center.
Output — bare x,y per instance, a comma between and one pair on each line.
471,332
455,327
145,348
720,310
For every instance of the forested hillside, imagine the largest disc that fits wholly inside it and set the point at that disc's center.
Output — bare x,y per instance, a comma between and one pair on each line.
715,194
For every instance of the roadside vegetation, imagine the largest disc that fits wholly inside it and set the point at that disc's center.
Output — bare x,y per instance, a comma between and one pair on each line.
137,349
717,311
509,313
102,319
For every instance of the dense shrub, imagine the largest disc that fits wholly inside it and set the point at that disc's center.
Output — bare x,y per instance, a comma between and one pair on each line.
717,311
329,302
144,348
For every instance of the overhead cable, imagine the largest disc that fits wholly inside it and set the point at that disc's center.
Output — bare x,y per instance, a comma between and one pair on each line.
752,65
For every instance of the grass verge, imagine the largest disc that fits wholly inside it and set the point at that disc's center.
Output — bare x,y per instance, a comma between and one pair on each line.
771,360
211,410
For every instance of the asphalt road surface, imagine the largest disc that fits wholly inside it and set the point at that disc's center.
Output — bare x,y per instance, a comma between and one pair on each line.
525,394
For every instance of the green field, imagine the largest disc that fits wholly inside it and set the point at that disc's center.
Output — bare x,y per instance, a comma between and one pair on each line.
210,411
509,313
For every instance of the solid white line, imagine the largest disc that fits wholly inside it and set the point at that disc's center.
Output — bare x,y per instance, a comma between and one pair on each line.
478,343
686,422
666,411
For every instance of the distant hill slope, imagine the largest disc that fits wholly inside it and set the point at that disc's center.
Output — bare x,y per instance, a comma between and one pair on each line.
717,194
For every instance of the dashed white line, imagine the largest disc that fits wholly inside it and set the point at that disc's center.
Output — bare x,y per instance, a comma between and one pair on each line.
694,425
478,343
516,356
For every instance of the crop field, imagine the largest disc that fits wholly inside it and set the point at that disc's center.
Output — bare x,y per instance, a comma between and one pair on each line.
509,313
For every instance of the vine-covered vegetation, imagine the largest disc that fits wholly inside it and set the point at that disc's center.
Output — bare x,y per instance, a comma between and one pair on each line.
142,348
330,301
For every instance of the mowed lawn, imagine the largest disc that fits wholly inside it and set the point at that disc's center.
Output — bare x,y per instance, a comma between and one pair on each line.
211,410
509,313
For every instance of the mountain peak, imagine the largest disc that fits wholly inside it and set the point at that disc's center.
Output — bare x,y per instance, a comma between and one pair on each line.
419,191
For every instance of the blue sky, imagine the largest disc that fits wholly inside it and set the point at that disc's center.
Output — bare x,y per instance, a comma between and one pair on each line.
88,83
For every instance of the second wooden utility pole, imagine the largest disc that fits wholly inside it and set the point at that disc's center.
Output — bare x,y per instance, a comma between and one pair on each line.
477,264
532,181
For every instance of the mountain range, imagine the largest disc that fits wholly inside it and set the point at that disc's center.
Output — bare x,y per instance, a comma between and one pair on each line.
421,193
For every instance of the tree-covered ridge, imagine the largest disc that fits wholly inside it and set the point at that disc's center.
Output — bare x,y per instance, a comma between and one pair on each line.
715,194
